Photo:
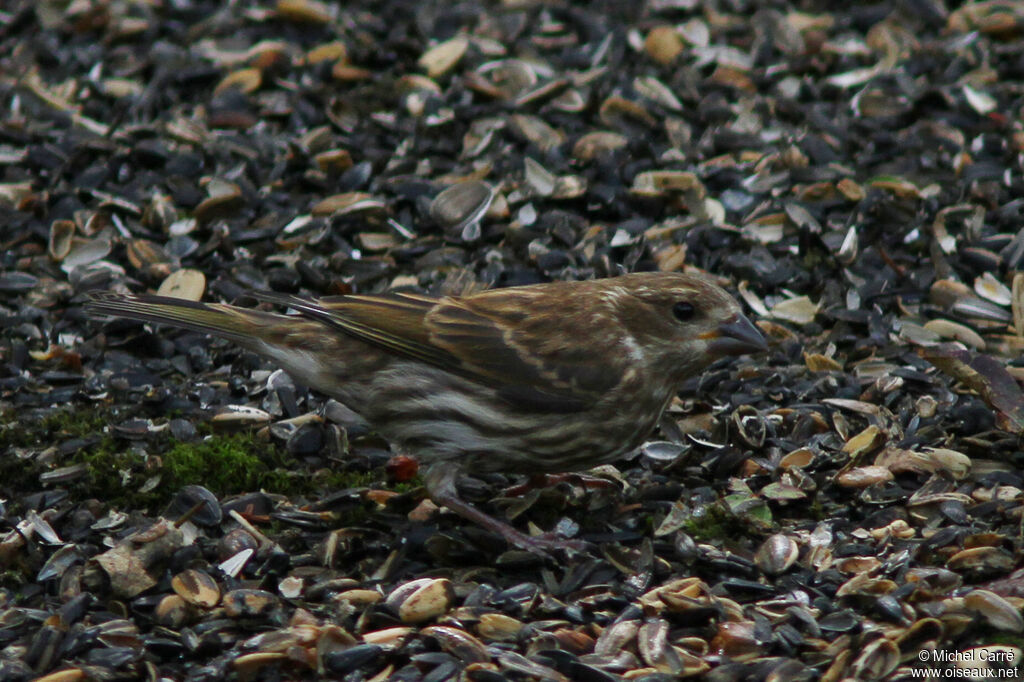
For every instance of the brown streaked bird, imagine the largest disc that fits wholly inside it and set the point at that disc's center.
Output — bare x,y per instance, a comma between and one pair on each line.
550,377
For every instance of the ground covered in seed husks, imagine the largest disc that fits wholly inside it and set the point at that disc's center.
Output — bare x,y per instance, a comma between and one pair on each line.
847,506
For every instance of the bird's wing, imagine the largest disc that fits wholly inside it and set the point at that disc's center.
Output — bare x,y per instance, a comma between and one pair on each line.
393,322
525,342
532,354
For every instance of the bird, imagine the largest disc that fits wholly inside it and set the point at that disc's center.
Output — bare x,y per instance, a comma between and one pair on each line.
543,378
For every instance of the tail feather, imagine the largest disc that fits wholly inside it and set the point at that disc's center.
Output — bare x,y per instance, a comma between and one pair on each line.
236,324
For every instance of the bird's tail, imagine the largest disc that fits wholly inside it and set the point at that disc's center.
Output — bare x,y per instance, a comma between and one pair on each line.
241,325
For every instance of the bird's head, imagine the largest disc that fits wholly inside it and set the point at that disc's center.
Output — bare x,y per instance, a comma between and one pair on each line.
679,323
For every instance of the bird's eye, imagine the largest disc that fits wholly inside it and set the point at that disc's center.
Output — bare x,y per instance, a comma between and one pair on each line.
683,311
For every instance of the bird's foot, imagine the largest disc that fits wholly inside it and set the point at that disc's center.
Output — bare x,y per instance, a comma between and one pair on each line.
441,487
549,480
545,544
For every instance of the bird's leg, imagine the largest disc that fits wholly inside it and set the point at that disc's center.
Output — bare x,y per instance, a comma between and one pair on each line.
440,483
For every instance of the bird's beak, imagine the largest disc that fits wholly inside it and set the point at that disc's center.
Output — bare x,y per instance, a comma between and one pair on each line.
737,336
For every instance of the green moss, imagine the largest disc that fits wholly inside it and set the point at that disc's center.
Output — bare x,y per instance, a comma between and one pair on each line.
146,474
109,472
339,479
816,510
27,430
229,464
13,580
716,522
1006,638
225,464
26,434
